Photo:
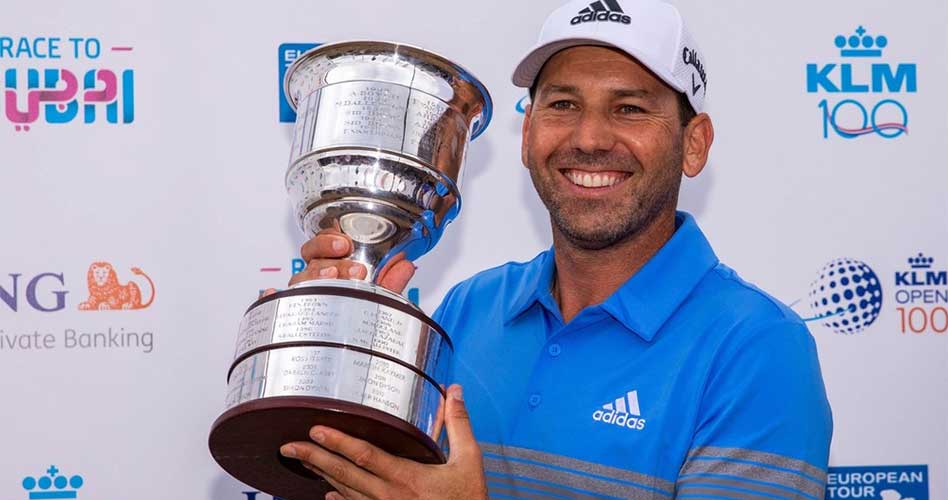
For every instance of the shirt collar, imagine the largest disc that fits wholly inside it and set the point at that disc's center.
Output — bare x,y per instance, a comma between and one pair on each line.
646,300
534,286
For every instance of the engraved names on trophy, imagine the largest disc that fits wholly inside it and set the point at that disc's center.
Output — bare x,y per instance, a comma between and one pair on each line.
335,319
255,328
424,123
313,371
360,114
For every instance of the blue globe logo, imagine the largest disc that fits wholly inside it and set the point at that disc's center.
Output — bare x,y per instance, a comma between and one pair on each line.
846,296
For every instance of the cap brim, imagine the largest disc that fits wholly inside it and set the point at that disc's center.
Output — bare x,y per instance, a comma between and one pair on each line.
529,68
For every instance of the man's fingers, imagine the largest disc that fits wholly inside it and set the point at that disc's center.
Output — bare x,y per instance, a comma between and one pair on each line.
326,245
330,269
359,452
397,276
343,492
458,425
332,466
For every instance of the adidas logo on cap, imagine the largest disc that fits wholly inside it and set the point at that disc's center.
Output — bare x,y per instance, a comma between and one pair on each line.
601,10
623,412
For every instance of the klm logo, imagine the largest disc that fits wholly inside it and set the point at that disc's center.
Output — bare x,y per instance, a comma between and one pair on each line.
882,77
922,297
921,273
861,74
840,79
52,486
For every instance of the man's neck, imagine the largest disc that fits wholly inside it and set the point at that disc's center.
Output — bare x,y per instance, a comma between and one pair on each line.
586,277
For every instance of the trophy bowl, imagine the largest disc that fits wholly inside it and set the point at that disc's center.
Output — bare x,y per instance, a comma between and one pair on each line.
380,140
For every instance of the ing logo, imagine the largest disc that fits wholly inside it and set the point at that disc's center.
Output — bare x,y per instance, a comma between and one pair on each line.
106,293
47,291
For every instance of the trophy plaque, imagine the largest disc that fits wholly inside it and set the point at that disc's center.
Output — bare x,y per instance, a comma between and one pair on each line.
380,139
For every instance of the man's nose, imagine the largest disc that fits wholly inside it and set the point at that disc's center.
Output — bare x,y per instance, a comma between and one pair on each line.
593,132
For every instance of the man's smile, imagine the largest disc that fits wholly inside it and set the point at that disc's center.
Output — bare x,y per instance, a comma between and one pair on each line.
598,180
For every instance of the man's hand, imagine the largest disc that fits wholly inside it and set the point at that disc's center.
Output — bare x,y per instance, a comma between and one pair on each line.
359,470
325,255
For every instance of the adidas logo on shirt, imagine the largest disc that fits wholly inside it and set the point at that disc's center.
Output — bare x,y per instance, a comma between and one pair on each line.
601,10
624,412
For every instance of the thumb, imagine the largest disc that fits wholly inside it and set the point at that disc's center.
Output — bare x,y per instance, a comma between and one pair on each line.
458,425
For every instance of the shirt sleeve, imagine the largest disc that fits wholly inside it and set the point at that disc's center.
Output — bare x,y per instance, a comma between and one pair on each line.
764,423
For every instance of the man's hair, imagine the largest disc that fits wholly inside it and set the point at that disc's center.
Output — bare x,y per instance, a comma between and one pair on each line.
685,111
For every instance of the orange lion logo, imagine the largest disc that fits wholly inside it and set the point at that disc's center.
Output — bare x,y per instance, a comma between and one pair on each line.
106,293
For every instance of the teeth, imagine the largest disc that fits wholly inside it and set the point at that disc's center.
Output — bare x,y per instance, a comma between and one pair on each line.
586,179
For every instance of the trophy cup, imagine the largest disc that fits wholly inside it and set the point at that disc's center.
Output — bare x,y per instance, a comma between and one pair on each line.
380,140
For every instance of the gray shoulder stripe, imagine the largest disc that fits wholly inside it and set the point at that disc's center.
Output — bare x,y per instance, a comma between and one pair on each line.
567,483
699,468
716,494
516,493
816,473
561,461
700,481
514,487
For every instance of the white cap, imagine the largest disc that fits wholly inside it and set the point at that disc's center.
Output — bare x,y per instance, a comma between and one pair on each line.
651,31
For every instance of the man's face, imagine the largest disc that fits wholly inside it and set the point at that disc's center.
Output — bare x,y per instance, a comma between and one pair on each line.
603,143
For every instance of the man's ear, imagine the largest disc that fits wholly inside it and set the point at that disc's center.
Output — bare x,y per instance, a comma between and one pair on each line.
697,139
525,133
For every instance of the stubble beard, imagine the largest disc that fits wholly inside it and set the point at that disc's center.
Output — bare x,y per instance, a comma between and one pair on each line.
599,224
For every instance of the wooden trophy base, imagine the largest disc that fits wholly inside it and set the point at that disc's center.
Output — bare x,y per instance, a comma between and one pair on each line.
246,441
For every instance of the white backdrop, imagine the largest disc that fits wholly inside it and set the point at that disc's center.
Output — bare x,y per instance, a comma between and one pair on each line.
186,185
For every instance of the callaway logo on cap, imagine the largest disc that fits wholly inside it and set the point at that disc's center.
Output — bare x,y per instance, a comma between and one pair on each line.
651,31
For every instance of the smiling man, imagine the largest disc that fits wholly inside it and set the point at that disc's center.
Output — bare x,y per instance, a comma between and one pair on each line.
626,361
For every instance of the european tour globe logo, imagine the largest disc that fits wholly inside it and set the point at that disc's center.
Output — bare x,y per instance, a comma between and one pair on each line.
846,296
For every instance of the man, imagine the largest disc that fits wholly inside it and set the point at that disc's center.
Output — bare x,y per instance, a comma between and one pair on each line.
626,362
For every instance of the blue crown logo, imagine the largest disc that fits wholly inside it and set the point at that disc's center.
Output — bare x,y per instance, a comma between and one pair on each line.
921,262
52,485
860,44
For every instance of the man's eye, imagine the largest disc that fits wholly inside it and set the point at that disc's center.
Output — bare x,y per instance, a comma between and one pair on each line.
627,109
562,105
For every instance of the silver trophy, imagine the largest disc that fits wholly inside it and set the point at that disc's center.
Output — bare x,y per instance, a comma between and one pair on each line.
381,135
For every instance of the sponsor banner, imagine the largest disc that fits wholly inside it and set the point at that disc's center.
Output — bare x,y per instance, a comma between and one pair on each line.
276,277
920,294
53,484
848,296
54,293
882,482
862,91
287,53
60,80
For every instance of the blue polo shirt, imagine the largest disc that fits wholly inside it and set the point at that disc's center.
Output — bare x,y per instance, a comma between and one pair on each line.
687,382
